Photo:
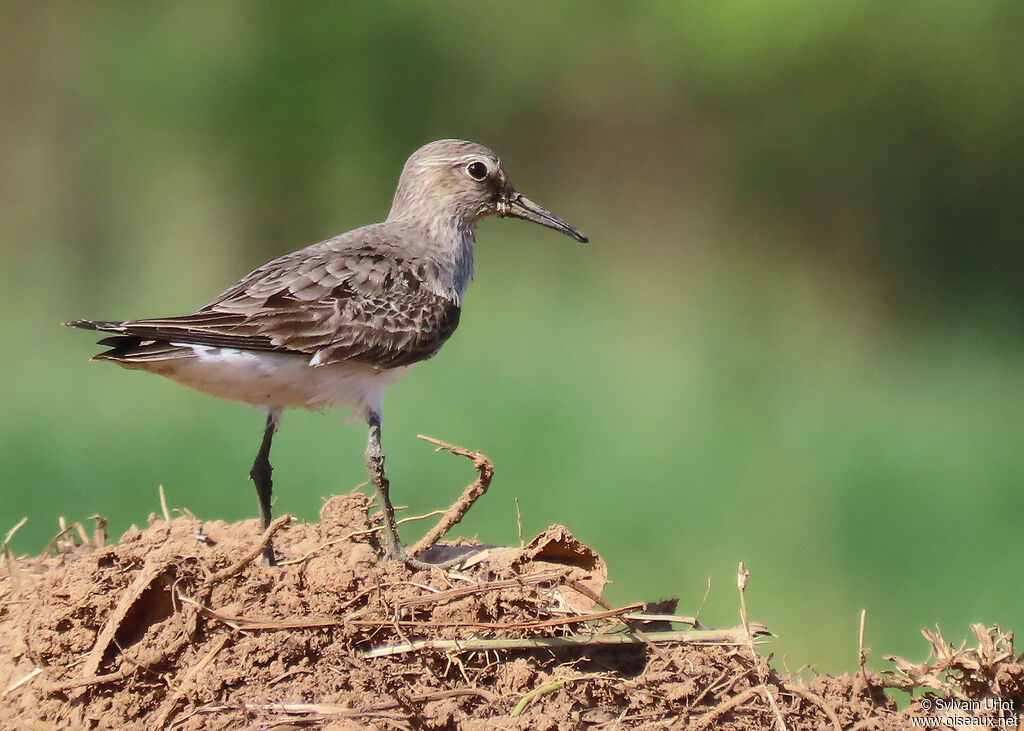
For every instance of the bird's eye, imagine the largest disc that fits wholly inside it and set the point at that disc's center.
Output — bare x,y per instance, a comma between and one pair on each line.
477,170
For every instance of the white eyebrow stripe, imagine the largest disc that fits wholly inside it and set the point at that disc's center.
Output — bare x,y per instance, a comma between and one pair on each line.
461,160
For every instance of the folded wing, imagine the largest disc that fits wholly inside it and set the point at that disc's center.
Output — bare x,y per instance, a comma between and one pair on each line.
331,306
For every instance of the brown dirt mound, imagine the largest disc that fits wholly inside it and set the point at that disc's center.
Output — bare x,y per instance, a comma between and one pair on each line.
179,626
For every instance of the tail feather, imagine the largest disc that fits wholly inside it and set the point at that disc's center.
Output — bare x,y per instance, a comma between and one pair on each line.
125,348
104,325
133,350
194,329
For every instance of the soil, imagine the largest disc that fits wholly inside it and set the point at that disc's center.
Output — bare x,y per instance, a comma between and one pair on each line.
179,626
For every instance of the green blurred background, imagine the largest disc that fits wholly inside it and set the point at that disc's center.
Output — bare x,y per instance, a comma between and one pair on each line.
794,339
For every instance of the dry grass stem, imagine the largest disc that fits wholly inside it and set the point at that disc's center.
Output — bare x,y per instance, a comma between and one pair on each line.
14,529
525,701
742,576
21,681
519,524
11,563
163,504
732,636
244,624
328,710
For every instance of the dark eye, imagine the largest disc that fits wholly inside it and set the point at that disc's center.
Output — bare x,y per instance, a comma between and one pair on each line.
477,170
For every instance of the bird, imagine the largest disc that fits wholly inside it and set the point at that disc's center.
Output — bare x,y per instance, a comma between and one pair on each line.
334,324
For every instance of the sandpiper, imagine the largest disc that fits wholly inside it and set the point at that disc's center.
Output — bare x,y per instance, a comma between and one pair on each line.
335,323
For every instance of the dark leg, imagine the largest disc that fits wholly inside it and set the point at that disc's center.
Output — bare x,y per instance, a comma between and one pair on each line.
260,474
375,466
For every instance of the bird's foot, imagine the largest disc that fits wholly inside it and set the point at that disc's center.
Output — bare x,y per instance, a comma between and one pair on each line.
396,552
269,557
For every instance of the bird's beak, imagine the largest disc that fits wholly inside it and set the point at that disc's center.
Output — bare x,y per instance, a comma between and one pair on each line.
518,205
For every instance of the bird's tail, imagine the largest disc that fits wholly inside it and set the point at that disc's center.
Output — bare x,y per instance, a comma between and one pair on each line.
124,348
103,325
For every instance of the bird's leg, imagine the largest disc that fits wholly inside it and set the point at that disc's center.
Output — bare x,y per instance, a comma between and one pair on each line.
260,474
375,466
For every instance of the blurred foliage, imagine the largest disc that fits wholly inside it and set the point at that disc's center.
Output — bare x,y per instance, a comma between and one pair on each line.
886,135
794,340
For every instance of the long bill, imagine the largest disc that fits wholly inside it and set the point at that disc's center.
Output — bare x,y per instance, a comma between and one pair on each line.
519,206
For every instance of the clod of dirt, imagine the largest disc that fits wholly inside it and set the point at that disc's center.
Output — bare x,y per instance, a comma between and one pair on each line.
179,626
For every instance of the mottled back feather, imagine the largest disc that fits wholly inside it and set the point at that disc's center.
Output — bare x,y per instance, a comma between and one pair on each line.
345,299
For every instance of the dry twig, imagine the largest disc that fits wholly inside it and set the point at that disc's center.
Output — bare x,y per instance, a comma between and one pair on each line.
171,704
458,509
816,700
722,708
713,685
255,552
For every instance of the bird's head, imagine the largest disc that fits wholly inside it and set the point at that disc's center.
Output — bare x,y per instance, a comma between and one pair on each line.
464,181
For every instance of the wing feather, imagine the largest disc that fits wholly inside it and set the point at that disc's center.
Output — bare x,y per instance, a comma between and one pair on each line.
331,304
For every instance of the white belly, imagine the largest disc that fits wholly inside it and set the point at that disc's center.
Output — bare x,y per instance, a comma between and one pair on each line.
279,380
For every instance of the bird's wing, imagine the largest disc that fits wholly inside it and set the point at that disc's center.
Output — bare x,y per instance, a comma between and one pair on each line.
331,304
